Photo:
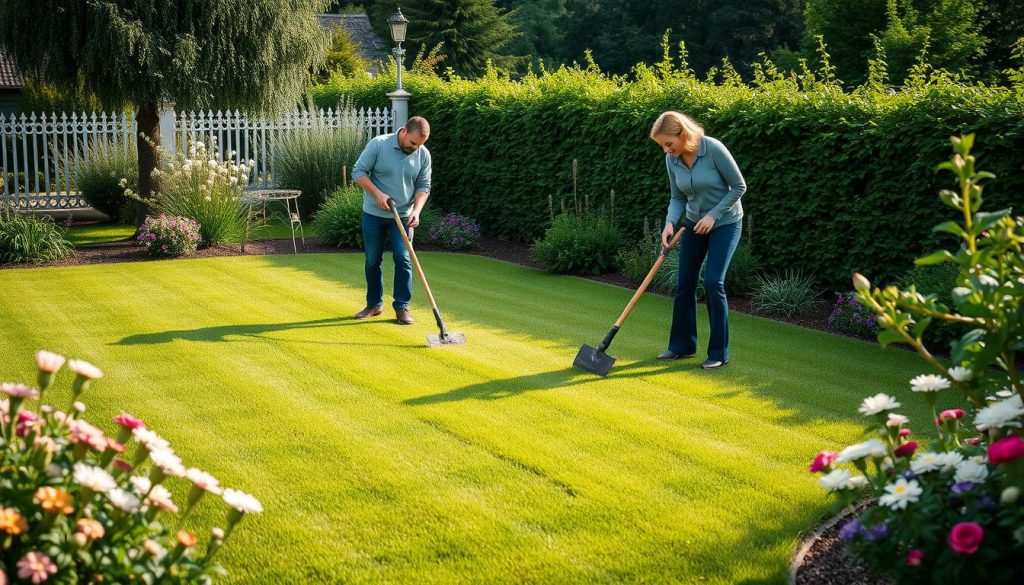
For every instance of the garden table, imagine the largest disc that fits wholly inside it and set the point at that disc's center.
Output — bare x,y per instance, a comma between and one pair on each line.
257,199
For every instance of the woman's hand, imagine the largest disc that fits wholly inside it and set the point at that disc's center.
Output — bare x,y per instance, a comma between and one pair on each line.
703,227
666,234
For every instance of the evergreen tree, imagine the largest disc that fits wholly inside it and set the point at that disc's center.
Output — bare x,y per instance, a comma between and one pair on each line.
469,31
247,54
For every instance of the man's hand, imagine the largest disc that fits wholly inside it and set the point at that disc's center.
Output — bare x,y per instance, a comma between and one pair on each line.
382,200
414,219
666,234
704,226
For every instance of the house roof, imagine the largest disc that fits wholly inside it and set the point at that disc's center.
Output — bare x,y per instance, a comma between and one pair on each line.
10,78
371,47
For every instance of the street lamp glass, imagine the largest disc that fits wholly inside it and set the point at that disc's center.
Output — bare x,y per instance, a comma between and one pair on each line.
398,24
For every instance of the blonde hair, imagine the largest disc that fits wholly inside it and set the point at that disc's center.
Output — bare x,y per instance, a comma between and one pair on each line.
676,124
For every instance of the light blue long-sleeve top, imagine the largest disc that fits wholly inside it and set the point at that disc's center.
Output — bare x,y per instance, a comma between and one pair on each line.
712,187
394,172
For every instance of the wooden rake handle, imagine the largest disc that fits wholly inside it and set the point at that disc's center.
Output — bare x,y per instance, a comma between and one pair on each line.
650,276
412,254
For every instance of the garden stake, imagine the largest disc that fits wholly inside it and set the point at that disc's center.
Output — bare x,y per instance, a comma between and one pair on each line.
443,337
595,360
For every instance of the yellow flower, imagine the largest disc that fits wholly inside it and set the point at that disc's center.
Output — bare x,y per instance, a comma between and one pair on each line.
12,522
54,500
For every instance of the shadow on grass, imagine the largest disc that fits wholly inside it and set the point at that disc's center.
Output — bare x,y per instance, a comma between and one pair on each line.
564,378
221,332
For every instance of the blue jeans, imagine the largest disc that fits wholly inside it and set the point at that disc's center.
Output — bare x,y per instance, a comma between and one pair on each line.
718,247
377,231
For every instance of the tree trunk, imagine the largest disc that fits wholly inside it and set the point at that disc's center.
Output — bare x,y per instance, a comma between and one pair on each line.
148,120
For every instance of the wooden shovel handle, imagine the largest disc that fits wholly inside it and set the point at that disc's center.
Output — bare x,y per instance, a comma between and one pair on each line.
650,276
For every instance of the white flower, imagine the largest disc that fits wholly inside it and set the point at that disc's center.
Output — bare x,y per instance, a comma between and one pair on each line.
896,420
960,373
950,460
901,493
925,462
203,480
986,280
835,480
970,471
123,500
856,482
878,403
872,447
1005,413
149,439
49,361
19,391
94,478
141,485
84,369
168,462
929,383
161,498
242,501
1010,495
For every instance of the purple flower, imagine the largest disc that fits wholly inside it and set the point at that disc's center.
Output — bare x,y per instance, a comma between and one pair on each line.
961,488
851,529
877,532
986,502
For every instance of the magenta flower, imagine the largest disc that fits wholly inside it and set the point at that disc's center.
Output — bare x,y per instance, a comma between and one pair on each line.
904,432
1006,450
128,421
906,449
966,537
951,414
823,460
36,567
914,557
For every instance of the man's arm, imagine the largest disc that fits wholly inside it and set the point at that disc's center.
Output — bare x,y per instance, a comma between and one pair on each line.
380,196
419,200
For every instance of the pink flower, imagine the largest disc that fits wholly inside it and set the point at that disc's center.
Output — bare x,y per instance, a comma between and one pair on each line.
966,537
906,449
84,369
904,432
36,566
823,460
1006,450
48,361
27,420
123,465
974,441
914,557
951,414
19,391
128,421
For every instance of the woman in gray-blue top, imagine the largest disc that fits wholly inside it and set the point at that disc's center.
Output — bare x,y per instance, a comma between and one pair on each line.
705,183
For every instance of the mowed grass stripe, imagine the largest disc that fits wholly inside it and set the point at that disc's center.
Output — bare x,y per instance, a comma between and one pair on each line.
383,461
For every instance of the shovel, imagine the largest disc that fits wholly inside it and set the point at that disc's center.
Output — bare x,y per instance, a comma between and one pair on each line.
594,359
443,337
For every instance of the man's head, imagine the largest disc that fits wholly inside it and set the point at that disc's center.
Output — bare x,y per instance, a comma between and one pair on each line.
412,136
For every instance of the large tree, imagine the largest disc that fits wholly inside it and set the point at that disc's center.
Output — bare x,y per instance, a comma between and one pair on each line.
469,31
252,55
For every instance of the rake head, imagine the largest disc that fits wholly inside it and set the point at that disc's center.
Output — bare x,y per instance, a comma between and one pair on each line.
593,360
435,340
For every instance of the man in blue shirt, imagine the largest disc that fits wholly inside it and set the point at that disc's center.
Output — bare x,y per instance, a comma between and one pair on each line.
392,166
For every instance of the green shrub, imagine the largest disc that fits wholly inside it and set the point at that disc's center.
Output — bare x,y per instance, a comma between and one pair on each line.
637,259
169,237
827,202
100,177
786,295
454,231
31,238
339,221
849,317
741,278
429,217
938,280
586,243
311,160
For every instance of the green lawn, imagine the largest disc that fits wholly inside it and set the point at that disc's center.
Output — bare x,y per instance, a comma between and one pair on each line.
380,460
104,233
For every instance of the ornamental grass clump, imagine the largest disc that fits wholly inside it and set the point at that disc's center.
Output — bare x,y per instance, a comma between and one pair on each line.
949,511
78,505
169,237
454,232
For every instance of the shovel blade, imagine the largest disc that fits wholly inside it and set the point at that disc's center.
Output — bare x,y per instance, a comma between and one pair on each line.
589,359
434,340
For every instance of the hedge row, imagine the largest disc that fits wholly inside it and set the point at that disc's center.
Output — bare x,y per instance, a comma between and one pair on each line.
837,182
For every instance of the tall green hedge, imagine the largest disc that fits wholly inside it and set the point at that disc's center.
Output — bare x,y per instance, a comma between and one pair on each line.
837,181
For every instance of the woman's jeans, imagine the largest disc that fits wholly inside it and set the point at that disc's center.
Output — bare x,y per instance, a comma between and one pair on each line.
377,231
718,247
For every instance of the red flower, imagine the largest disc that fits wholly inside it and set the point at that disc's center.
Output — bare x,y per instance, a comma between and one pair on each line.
914,557
952,414
966,537
906,449
823,460
1006,450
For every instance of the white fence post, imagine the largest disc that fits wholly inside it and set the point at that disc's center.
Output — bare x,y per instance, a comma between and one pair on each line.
167,129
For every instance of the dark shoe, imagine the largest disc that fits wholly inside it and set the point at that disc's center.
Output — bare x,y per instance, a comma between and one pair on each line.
370,312
404,316
671,355
713,364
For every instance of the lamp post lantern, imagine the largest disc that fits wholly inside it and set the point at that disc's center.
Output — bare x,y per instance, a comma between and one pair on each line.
399,98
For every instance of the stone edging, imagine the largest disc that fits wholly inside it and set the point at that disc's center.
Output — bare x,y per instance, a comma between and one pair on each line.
805,547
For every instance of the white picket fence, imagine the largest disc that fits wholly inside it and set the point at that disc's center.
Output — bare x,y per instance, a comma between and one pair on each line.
40,154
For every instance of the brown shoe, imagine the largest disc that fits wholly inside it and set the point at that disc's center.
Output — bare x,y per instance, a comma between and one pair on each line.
404,316
370,312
